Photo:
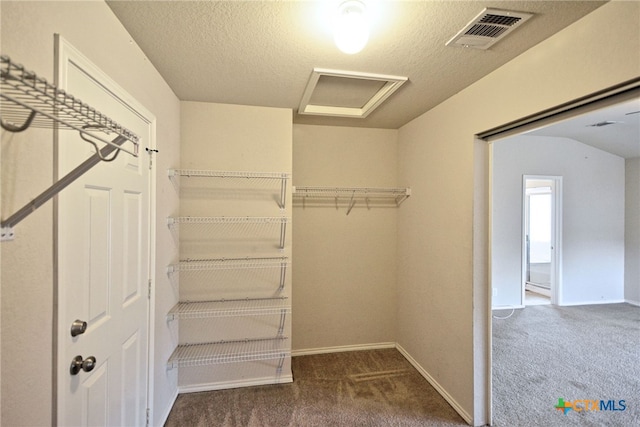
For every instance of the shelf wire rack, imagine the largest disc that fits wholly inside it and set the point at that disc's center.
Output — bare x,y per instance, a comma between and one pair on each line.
352,194
199,173
192,220
230,308
227,264
29,100
238,176
249,350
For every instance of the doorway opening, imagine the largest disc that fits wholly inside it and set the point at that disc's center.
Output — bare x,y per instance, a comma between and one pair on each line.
541,236
578,114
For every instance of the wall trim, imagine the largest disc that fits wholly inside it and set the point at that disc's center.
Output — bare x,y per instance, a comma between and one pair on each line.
441,390
167,411
613,301
632,302
223,385
507,307
341,348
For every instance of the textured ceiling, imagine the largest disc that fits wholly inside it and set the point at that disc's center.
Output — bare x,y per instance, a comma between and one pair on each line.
262,52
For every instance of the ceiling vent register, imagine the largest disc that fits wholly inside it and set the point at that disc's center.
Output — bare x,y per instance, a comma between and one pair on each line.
486,29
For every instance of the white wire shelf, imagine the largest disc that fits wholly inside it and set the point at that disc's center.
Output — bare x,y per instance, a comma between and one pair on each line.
352,194
249,350
235,222
228,264
197,173
230,308
29,100
254,177
192,220
351,191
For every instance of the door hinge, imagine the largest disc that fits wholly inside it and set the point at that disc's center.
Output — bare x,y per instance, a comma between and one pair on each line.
148,415
150,151
149,290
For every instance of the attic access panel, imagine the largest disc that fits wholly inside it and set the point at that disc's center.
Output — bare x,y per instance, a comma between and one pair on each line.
346,93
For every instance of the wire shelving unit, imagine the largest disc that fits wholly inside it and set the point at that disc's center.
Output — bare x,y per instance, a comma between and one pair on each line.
27,100
249,350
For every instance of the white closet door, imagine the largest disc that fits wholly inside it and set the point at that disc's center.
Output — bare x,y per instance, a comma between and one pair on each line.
103,263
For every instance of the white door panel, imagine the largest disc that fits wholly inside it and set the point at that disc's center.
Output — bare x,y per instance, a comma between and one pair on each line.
103,262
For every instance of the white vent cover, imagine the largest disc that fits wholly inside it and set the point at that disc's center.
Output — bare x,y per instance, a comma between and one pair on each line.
486,29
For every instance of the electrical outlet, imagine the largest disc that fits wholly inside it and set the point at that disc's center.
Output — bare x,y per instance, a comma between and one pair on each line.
495,292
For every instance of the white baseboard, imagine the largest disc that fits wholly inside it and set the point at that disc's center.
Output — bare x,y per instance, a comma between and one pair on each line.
616,301
468,418
632,302
507,307
235,384
338,349
165,417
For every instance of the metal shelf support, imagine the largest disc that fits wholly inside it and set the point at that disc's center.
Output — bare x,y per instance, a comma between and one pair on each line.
8,224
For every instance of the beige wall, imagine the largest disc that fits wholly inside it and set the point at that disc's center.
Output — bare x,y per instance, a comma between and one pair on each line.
632,231
344,274
592,234
27,161
436,158
233,138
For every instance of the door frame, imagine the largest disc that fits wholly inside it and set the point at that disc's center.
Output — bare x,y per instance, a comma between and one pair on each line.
482,220
65,52
556,235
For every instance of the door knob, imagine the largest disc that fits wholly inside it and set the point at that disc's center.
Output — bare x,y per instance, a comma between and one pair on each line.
78,327
86,365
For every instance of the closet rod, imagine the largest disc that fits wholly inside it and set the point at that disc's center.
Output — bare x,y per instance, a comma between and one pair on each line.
8,224
398,195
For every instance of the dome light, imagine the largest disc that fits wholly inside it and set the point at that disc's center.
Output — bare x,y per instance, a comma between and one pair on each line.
351,31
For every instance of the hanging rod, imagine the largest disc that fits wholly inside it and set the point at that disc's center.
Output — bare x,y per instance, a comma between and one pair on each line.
399,195
348,191
27,100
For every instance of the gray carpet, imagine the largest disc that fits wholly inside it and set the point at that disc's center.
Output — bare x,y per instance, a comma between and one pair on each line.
543,353
360,388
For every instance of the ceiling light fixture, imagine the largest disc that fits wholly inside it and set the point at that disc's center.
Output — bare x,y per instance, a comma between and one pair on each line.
351,29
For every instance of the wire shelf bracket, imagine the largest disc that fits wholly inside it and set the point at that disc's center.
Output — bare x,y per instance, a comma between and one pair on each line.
27,100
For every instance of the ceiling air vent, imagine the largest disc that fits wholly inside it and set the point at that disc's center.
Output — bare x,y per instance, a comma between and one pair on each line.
487,28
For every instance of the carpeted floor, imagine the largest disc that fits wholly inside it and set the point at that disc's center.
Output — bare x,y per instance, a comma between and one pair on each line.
360,388
543,353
